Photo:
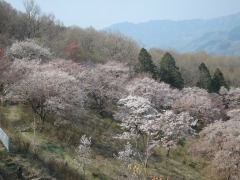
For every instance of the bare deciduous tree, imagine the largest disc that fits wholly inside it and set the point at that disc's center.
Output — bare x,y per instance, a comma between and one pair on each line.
33,12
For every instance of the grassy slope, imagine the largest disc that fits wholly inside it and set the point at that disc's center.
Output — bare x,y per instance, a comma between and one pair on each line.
102,164
11,161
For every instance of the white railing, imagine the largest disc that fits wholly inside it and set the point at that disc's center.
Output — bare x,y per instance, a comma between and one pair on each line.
4,138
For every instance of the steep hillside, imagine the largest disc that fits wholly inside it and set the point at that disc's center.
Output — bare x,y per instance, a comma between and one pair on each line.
53,152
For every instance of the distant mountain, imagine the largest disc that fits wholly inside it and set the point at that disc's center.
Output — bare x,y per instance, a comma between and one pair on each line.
216,36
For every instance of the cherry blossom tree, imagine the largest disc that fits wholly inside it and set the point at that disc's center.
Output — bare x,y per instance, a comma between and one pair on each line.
21,68
83,153
71,98
231,97
28,50
17,72
147,129
67,66
175,127
227,160
70,101
4,67
220,141
234,114
138,120
104,83
126,157
39,87
200,104
46,88
158,93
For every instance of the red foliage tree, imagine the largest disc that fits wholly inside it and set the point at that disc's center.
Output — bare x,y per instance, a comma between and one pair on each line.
75,52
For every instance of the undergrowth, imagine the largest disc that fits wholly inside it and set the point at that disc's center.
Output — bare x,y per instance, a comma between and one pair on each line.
54,147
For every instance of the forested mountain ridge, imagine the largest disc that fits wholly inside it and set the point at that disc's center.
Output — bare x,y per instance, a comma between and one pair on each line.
216,36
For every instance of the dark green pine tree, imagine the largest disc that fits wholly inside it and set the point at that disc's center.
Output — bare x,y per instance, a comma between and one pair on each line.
169,72
218,81
145,63
204,79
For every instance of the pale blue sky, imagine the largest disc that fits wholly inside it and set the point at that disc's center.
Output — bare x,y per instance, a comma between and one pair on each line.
103,13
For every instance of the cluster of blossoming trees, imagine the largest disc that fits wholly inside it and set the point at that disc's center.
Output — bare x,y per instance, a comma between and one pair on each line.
150,113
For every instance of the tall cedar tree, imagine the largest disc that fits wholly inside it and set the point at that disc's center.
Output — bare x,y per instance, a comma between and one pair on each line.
204,79
218,81
169,72
145,63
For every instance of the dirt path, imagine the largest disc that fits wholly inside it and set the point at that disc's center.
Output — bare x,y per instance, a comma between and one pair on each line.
10,161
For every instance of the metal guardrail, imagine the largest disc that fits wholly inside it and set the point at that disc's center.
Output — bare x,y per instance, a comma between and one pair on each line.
4,138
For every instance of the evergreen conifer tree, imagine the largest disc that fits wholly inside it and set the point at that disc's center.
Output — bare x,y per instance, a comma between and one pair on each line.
218,81
169,72
145,63
204,79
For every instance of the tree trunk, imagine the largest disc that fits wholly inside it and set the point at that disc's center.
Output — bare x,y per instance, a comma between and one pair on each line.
42,119
229,177
168,152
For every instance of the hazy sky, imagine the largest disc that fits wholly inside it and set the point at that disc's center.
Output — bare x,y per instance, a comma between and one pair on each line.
103,13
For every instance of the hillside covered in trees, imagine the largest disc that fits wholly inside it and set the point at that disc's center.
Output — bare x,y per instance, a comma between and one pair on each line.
87,104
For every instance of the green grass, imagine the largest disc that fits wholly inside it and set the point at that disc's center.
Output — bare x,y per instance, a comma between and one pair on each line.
10,161
59,143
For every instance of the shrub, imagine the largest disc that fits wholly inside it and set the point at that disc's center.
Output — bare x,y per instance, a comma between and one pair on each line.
29,49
